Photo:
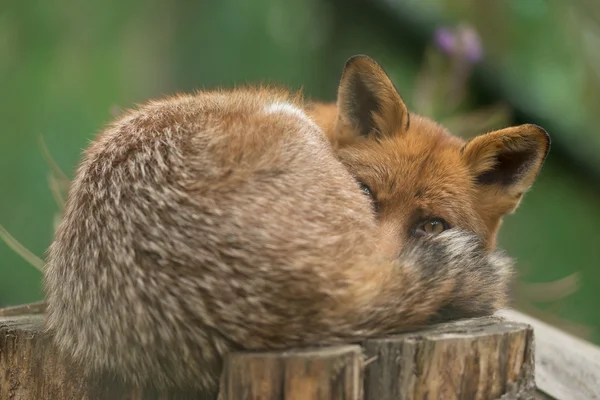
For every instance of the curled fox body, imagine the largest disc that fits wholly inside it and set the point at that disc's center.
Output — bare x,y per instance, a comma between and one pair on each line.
248,219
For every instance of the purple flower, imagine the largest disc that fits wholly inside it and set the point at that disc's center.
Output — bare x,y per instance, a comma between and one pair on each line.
445,40
461,42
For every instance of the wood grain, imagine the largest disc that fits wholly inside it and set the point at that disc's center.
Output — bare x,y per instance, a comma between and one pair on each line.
32,369
319,374
566,366
484,358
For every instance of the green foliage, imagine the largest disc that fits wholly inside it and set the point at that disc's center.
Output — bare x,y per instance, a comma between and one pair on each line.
64,67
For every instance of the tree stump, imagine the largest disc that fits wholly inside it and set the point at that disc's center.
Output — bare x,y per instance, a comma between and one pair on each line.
32,369
319,374
483,358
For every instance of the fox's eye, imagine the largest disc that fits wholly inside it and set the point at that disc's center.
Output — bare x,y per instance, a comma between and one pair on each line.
433,226
366,190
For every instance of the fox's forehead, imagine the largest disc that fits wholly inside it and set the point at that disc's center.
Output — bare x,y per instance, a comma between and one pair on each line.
420,170
426,154
413,178
406,163
424,132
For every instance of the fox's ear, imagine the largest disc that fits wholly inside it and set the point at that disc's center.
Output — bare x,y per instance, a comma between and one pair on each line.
505,163
368,103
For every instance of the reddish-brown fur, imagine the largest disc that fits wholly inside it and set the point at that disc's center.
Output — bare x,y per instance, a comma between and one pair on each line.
200,224
416,169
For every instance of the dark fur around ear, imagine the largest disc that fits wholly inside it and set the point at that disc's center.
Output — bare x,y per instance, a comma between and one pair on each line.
508,160
368,102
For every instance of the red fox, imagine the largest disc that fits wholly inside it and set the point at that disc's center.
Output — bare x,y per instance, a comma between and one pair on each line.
416,172
201,224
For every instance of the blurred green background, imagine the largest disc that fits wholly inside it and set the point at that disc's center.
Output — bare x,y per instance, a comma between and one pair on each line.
66,65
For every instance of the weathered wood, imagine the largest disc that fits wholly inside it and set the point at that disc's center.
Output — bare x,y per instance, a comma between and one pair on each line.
24,309
566,367
481,358
484,358
32,369
319,374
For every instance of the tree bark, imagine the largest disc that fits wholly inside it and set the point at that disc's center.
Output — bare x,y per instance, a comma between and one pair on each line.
32,369
483,358
319,374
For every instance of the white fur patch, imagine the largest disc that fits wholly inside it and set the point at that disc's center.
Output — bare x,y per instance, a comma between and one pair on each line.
314,134
286,108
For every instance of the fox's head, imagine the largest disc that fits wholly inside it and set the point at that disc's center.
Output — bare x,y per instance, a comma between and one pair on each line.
420,178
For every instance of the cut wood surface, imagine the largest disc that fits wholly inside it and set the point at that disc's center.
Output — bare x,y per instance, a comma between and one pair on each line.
319,374
31,369
566,366
25,309
484,358
479,358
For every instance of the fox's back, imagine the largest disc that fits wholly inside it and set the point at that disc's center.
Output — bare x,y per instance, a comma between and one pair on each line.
184,194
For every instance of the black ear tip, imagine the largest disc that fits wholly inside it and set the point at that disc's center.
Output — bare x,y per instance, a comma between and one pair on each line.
539,129
358,58
542,133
